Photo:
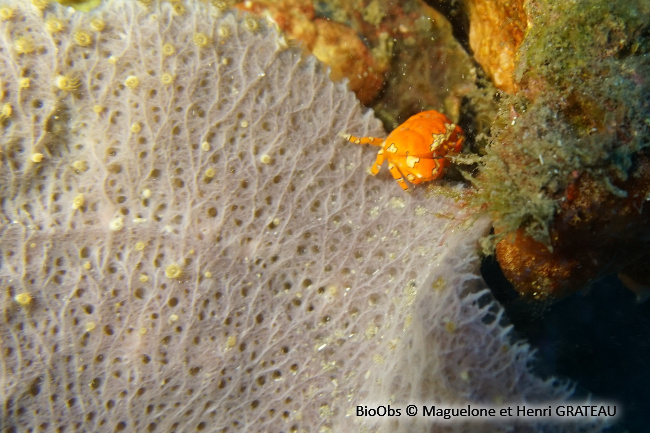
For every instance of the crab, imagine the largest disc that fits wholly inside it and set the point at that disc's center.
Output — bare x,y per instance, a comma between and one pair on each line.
417,149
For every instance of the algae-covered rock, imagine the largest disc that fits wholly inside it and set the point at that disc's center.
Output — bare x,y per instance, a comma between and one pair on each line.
566,164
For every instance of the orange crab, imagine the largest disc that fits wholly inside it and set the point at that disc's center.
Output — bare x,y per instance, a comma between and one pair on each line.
417,148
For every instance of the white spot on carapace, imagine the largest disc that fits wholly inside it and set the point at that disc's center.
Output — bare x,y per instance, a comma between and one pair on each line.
411,161
438,139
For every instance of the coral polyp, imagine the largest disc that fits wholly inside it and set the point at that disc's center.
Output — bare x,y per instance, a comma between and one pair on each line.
132,81
6,110
83,38
201,40
66,83
168,50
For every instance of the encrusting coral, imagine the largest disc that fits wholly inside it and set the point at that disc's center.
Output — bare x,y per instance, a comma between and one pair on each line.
187,244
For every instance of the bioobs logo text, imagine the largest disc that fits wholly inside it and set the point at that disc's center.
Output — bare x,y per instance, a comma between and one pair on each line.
380,410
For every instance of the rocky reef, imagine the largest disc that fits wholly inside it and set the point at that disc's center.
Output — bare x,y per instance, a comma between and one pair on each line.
565,175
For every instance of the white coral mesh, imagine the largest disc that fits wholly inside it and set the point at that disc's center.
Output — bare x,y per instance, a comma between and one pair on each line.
204,253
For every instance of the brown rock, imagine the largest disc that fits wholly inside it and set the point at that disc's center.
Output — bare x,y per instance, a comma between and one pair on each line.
496,30
596,230
339,47
333,43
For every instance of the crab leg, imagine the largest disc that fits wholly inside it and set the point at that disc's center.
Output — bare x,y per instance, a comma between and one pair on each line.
378,162
364,140
397,175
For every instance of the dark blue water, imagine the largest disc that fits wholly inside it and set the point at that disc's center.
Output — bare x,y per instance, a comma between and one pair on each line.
599,337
